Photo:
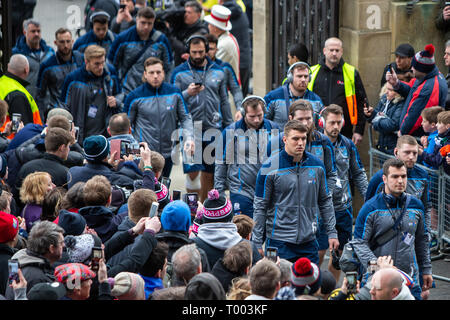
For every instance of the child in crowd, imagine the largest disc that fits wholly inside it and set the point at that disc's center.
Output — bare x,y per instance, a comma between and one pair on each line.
429,125
439,155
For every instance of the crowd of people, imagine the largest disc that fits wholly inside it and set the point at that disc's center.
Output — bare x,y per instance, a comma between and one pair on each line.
92,130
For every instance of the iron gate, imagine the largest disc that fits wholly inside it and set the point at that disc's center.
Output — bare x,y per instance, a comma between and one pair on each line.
295,21
5,33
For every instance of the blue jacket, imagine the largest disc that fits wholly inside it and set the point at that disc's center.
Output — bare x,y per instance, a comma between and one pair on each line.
277,110
156,113
52,74
418,185
428,92
321,147
128,45
434,158
90,38
388,125
289,198
239,168
409,249
211,105
77,94
35,58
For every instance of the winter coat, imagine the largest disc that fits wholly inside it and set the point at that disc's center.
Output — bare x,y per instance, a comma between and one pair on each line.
420,94
387,125
435,159
6,253
224,275
89,38
35,58
36,269
102,220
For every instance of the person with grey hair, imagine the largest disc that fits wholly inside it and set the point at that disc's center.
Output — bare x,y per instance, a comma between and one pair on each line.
13,90
447,77
44,248
285,269
35,49
186,263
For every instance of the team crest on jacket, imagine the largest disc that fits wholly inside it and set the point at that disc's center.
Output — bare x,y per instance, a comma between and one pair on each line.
170,103
311,176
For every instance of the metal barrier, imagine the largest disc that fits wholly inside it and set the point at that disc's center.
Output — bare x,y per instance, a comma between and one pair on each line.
439,183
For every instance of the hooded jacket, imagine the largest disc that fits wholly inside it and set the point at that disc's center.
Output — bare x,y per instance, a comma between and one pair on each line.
278,111
388,125
435,159
36,269
35,58
77,94
102,220
289,198
240,165
409,249
52,73
155,113
128,45
210,106
420,94
215,238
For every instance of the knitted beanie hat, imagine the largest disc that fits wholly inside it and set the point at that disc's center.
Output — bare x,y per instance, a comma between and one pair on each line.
71,274
423,61
79,248
162,193
9,227
217,208
197,222
305,275
73,223
176,216
128,286
96,148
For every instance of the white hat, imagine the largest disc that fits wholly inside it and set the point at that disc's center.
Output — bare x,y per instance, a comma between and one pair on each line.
220,17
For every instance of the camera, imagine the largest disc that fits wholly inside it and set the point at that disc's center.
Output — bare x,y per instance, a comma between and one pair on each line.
352,279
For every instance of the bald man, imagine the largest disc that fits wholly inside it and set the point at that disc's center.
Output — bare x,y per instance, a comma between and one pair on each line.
388,284
12,90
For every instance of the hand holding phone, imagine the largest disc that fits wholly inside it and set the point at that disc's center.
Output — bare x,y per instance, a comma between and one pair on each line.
176,195
272,253
192,201
15,121
154,209
352,281
97,254
13,270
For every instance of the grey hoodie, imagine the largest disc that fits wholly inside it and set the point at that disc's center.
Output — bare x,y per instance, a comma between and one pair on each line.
226,238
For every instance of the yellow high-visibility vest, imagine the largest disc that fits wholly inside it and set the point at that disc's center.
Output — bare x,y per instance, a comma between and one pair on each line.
349,88
8,85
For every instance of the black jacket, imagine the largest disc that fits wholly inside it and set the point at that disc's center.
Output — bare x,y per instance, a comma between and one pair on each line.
176,240
36,269
5,254
325,87
179,36
48,163
224,275
102,220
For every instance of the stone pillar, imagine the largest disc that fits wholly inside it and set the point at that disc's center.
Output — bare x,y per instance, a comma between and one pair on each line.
262,44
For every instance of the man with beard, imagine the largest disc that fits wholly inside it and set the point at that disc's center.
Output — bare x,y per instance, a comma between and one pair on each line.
204,88
392,223
349,165
291,193
32,46
132,47
279,100
54,70
244,150
156,109
407,150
